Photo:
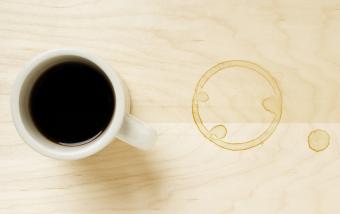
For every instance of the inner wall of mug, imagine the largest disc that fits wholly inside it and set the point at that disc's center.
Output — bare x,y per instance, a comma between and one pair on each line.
24,98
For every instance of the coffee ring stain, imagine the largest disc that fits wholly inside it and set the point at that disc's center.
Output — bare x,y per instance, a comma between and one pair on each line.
216,134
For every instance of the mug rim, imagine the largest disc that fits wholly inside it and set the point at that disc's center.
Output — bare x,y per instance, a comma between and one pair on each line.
53,149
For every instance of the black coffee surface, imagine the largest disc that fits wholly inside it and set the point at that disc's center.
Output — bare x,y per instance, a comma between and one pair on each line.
72,103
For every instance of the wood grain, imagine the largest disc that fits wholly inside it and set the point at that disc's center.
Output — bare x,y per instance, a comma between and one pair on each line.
161,49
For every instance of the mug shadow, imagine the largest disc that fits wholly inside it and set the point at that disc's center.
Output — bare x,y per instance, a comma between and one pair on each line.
119,176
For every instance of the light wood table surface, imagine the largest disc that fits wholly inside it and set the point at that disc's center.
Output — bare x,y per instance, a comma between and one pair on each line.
161,49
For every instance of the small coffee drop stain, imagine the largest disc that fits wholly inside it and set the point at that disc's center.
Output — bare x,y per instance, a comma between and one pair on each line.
318,140
270,104
218,132
203,96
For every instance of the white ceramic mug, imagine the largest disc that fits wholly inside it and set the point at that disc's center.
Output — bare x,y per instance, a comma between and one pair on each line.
122,125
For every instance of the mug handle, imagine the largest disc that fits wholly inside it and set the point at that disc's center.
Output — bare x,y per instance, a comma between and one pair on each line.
137,133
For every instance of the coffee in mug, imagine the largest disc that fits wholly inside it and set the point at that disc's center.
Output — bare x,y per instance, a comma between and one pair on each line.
69,104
